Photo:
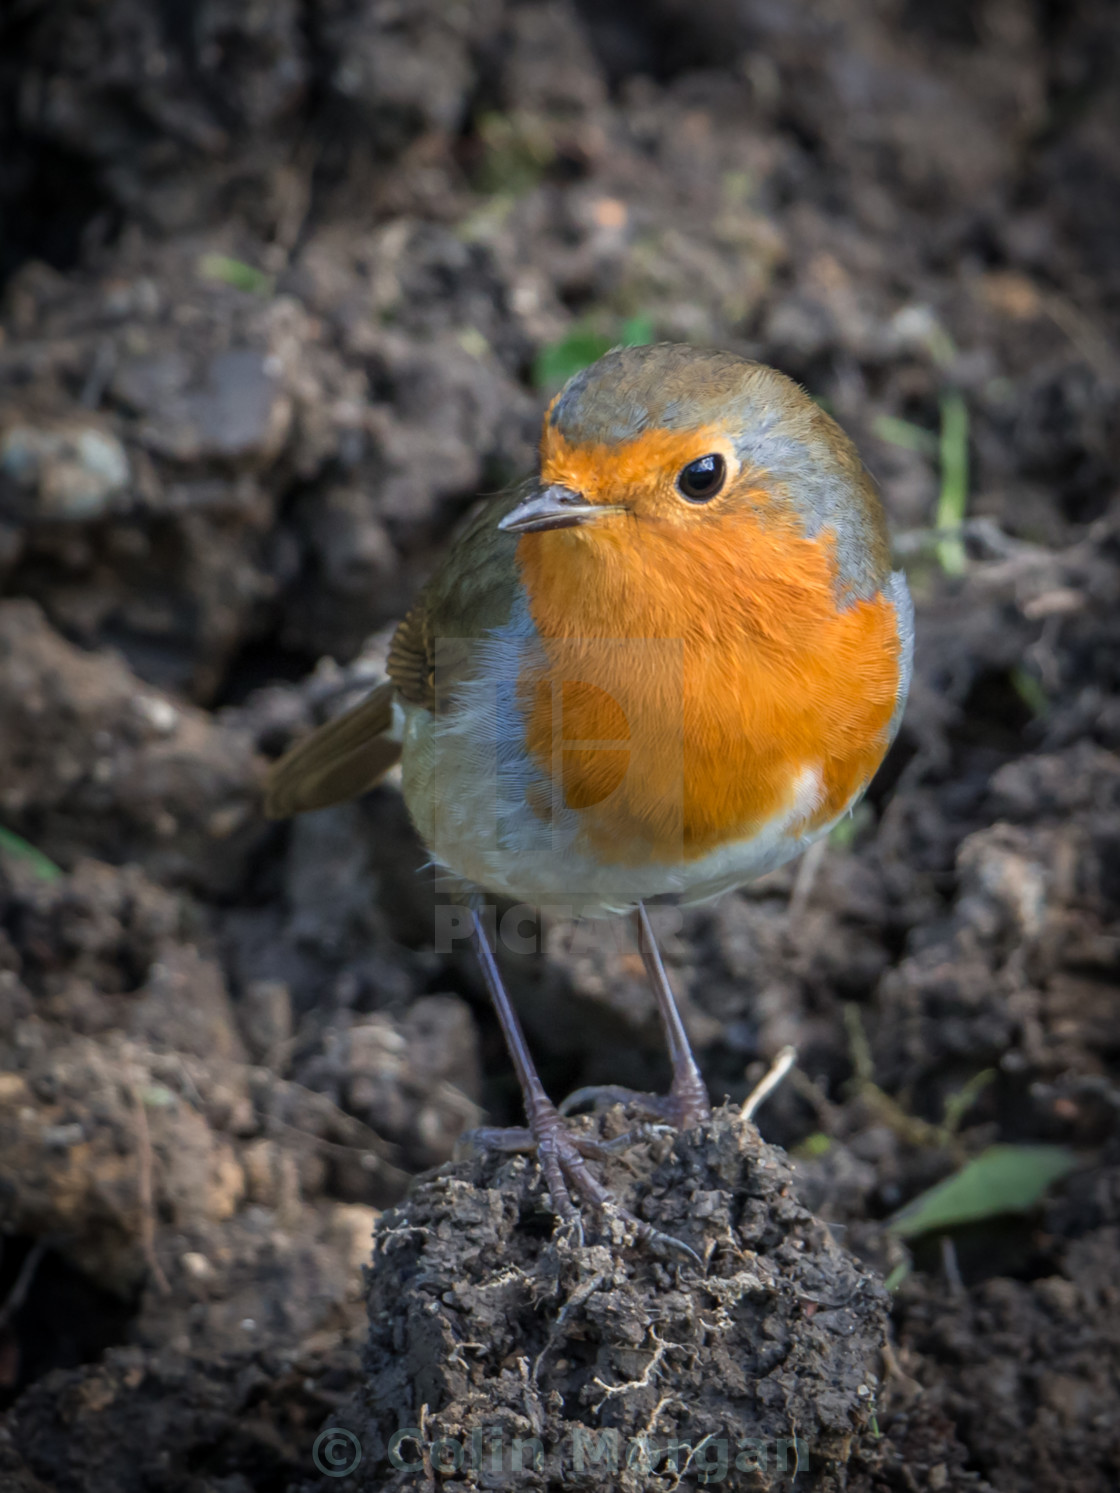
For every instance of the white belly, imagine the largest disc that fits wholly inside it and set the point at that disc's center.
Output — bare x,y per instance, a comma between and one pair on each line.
470,802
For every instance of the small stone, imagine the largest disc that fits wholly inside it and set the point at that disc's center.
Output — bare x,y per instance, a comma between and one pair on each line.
74,471
196,1265
350,1230
160,714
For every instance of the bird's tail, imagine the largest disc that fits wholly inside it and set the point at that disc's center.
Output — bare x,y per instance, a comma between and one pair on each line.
339,760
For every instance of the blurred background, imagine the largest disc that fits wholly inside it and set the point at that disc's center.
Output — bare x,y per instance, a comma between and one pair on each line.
284,290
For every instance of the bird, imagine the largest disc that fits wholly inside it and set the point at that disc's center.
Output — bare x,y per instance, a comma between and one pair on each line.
664,666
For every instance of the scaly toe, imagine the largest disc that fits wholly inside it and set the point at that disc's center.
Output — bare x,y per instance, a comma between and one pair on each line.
682,1112
563,1161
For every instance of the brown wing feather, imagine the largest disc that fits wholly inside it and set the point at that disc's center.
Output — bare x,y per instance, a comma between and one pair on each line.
470,594
411,661
338,761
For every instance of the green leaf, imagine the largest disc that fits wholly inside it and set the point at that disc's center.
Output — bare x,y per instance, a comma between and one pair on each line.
950,446
36,862
637,331
235,272
1029,690
817,1144
555,364
1002,1179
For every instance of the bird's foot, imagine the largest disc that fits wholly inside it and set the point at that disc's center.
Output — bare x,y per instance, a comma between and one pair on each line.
563,1157
683,1107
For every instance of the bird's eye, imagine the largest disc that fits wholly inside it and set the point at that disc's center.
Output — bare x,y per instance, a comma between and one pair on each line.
702,479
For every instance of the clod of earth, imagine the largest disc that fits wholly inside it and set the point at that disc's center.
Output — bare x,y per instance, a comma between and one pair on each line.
503,1350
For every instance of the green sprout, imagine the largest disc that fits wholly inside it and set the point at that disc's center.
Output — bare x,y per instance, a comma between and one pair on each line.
1029,690
556,362
906,434
817,1144
235,272
900,1273
957,1105
950,447
953,498
911,1129
12,847
518,150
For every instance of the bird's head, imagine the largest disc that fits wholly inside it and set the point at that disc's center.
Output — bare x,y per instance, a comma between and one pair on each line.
699,446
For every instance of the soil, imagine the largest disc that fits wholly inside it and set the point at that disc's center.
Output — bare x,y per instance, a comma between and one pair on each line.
284,288
752,1363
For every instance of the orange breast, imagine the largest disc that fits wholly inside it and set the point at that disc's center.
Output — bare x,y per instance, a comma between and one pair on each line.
696,677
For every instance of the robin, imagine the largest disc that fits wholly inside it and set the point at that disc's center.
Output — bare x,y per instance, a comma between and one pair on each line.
666,666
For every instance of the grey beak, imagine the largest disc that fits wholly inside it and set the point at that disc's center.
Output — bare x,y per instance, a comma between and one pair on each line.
552,508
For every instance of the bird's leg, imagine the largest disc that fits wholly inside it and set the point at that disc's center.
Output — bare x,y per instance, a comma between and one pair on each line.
561,1154
687,1092
561,1160
687,1101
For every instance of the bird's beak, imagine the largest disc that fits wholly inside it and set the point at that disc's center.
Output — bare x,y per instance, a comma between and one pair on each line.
553,508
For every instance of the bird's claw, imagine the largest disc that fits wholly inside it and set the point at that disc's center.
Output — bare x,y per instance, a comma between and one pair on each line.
563,1161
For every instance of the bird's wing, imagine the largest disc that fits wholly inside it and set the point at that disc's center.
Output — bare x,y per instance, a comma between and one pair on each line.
471,593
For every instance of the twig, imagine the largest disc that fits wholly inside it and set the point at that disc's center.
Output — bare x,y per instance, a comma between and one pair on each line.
18,1293
805,880
100,372
862,1061
894,1373
365,1138
949,1264
1081,331
769,1082
911,1129
144,1186
827,1113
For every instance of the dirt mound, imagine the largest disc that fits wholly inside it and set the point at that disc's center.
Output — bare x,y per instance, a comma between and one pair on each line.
756,1367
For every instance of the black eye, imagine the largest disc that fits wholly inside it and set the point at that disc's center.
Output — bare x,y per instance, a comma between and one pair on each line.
702,479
